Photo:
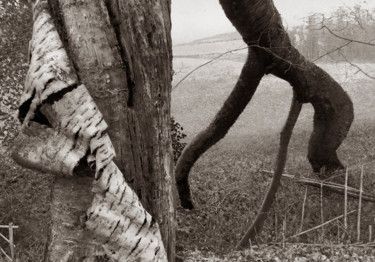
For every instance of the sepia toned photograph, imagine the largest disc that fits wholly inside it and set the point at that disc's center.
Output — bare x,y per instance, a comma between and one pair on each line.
187,130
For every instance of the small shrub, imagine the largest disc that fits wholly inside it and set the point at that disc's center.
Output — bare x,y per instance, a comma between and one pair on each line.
177,135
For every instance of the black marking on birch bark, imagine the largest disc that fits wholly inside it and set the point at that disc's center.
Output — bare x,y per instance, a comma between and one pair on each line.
130,220
38,68
44,39
82,169
96,149
136,246
142,249
107,183
144,223
40,118
97,124
157,250
59,23
123,194
110,206
89,118
49,81
152,222
41,75
24,107
105,159
76,136
59,95
103,151
95,134
126,59
49,30
113,231
102,134
99,174
40,51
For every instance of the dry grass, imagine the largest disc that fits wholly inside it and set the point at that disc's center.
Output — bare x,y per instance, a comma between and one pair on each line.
24,200
227,184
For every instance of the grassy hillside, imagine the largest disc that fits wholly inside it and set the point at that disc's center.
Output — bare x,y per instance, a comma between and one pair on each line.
228,183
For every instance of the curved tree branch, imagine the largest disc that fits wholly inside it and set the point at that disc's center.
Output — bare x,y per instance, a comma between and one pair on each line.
242,93
260,24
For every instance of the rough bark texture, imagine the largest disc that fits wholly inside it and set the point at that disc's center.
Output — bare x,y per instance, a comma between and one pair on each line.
63,127
260,25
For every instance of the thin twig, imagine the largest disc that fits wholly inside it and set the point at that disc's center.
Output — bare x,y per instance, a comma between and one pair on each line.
345,38
346,201
11,242
3,237
334,187
14,227
360,206
206,63
321,209
284,231
303,209
358,67
321,225
5,254
325,245
369,233
333,50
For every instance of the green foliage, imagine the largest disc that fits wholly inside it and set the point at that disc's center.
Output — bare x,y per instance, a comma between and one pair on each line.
177,135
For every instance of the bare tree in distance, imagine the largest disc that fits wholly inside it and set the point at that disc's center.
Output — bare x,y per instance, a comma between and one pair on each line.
330,48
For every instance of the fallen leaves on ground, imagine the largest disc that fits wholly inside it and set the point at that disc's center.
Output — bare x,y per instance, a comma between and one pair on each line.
290,253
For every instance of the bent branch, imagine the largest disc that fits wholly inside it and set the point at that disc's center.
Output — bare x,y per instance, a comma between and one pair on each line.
242,93
259,23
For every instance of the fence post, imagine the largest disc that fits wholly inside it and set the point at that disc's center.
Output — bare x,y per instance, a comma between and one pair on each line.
11,242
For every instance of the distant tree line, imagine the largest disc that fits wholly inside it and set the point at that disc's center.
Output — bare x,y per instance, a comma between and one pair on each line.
346,34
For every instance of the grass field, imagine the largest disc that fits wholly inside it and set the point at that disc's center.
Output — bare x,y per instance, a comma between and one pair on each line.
227,182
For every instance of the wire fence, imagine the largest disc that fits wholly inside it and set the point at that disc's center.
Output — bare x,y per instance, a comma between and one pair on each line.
9,240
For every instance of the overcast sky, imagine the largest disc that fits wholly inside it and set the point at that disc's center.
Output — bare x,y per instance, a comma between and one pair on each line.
194,19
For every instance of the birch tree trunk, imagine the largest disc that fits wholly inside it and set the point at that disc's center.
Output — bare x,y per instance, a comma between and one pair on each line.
120,51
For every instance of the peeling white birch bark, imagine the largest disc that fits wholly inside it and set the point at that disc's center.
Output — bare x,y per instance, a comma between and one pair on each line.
116,216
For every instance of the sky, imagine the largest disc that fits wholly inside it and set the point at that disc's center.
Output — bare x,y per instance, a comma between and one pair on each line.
194,19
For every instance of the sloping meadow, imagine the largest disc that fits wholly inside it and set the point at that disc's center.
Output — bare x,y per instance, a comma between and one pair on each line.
230,180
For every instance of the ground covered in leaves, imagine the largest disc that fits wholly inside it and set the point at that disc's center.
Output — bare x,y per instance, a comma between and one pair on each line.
290,253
